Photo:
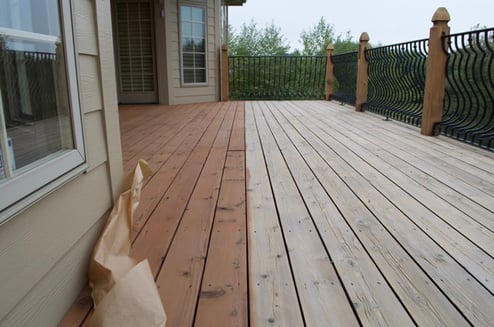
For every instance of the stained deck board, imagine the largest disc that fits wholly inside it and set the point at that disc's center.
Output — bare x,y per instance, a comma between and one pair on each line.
159,231
163,130
405,237
172,159
223,293
180,277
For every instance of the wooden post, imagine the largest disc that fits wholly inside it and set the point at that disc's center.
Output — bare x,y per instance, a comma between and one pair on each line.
224,73
329,71
435,78
362,73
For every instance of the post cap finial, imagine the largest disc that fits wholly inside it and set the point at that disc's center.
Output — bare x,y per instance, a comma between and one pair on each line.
364,37
441,15
330,47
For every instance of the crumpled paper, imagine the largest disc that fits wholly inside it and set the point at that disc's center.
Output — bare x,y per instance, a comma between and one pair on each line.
124,292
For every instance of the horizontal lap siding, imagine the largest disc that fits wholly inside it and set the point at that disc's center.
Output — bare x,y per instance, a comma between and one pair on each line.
44,250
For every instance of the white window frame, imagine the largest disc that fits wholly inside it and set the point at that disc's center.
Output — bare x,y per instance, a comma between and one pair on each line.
182,72
31,183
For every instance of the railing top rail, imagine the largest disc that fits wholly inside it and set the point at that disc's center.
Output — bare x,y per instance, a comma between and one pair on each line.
276,56
485,30
397,44
28,36
345,53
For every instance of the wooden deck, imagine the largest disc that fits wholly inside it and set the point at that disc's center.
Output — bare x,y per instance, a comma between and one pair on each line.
313,215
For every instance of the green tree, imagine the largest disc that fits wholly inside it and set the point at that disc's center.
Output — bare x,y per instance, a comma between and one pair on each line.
345,44
255,41
316,39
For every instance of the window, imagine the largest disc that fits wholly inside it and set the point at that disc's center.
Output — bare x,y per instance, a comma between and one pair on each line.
41,142
193,44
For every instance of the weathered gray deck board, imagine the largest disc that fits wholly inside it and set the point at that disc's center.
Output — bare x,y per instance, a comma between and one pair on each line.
405,222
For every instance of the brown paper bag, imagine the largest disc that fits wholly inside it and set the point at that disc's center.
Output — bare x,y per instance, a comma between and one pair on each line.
124,293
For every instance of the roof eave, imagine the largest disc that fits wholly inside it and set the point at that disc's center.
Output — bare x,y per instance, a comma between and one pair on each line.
235,2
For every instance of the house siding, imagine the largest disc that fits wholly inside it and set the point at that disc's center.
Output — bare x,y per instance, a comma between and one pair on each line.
178,93
44,250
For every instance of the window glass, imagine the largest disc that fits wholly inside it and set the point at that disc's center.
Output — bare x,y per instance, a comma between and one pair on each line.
193,44
199,45
198,30
33,83
186,13
37,102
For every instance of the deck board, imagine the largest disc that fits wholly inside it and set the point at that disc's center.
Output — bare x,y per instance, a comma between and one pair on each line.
322,297
306,213
273,297
440,266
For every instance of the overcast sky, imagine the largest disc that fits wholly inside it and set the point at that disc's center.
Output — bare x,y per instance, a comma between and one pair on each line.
386,21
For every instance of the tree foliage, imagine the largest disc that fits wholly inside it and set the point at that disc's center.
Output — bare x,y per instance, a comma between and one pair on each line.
318,37
257,41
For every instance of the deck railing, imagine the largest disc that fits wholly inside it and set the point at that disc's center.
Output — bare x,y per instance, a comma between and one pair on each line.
38,86
469,101
345,73
276,77
444,84
397,80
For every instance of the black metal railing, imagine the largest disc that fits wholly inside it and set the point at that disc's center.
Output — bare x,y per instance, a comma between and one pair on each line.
345,73
27,78
276,77
468,113
397,80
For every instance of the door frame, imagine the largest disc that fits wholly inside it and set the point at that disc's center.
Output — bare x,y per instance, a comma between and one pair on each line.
160,93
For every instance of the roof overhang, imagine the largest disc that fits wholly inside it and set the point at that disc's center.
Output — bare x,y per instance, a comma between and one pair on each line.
235,2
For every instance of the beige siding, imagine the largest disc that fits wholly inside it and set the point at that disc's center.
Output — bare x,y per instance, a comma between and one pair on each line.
94,130
44,250
63,282
179,94
90,86
86,28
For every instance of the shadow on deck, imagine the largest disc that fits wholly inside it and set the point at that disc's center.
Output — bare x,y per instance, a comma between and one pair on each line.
343,219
